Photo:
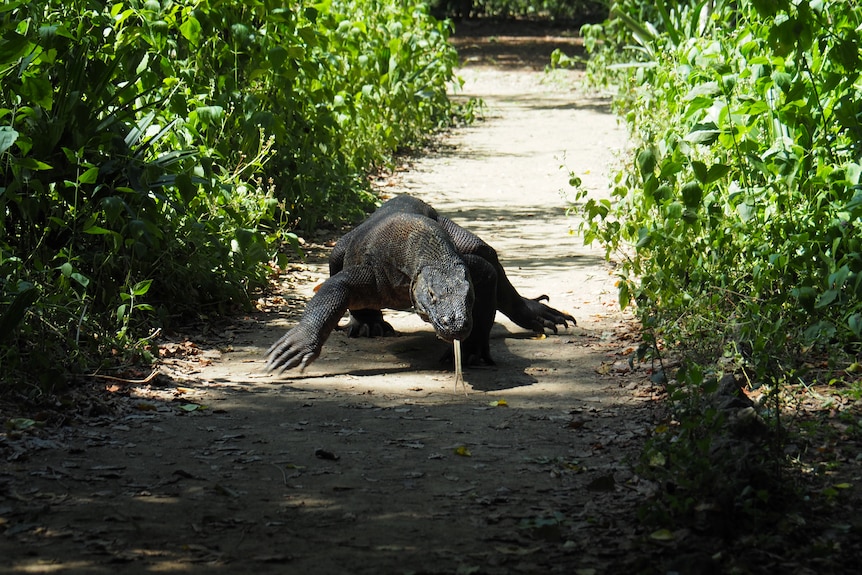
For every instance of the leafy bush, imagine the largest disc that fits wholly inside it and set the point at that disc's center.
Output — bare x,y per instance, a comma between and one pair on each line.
713,460
162,151
736,220
738,215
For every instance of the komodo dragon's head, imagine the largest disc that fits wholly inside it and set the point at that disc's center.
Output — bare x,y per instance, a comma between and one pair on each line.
443,296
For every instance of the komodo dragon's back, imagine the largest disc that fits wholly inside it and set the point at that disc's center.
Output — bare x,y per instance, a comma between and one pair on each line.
405,254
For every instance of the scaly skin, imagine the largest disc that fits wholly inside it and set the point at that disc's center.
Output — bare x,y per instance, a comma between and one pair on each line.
406,255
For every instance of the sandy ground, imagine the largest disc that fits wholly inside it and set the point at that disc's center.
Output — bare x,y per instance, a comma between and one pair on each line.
370,462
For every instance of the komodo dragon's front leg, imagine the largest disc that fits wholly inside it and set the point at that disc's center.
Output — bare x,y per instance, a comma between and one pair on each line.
302,344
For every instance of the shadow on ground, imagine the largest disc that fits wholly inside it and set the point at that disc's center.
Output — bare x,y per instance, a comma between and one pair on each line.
325,474
514,45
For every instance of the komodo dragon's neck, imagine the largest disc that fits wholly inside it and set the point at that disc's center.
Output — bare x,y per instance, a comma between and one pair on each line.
430,246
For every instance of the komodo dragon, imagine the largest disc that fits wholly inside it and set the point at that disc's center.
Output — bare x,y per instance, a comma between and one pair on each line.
404,255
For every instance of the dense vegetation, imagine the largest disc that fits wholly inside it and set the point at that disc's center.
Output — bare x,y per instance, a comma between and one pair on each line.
737,224
154,155
738,216
569,10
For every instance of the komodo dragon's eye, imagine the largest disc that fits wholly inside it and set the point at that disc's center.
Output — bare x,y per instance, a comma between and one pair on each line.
432,296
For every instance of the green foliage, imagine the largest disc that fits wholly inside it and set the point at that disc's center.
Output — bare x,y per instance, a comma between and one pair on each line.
738,214
736,220
165,150
711,464
580,10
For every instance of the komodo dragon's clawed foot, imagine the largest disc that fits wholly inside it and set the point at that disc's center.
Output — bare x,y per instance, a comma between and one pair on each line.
542,317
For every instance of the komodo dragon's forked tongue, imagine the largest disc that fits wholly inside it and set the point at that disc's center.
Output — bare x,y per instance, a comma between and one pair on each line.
459,374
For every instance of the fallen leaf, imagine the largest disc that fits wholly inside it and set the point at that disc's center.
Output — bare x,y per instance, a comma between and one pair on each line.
662,535
499,403
463,451
19,423
192,407
657,460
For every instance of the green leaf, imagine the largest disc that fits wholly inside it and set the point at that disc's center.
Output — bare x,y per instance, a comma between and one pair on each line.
728,82
827,298
277,56
716,172
700,171
38,90
670,168
15,311
210,114
625,296
12,47
674,210
704,134
83,280
662,193
186,188
746,211
142,287
839,277
639,31
89,176
8,135
646,162
707,89
97,230
191,30
768,8
20,423
9,6
692,194
32,164
783,80
296,52
189,407
806,296
644,238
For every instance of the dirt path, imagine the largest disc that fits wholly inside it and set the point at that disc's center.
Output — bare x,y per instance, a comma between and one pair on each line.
368,462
